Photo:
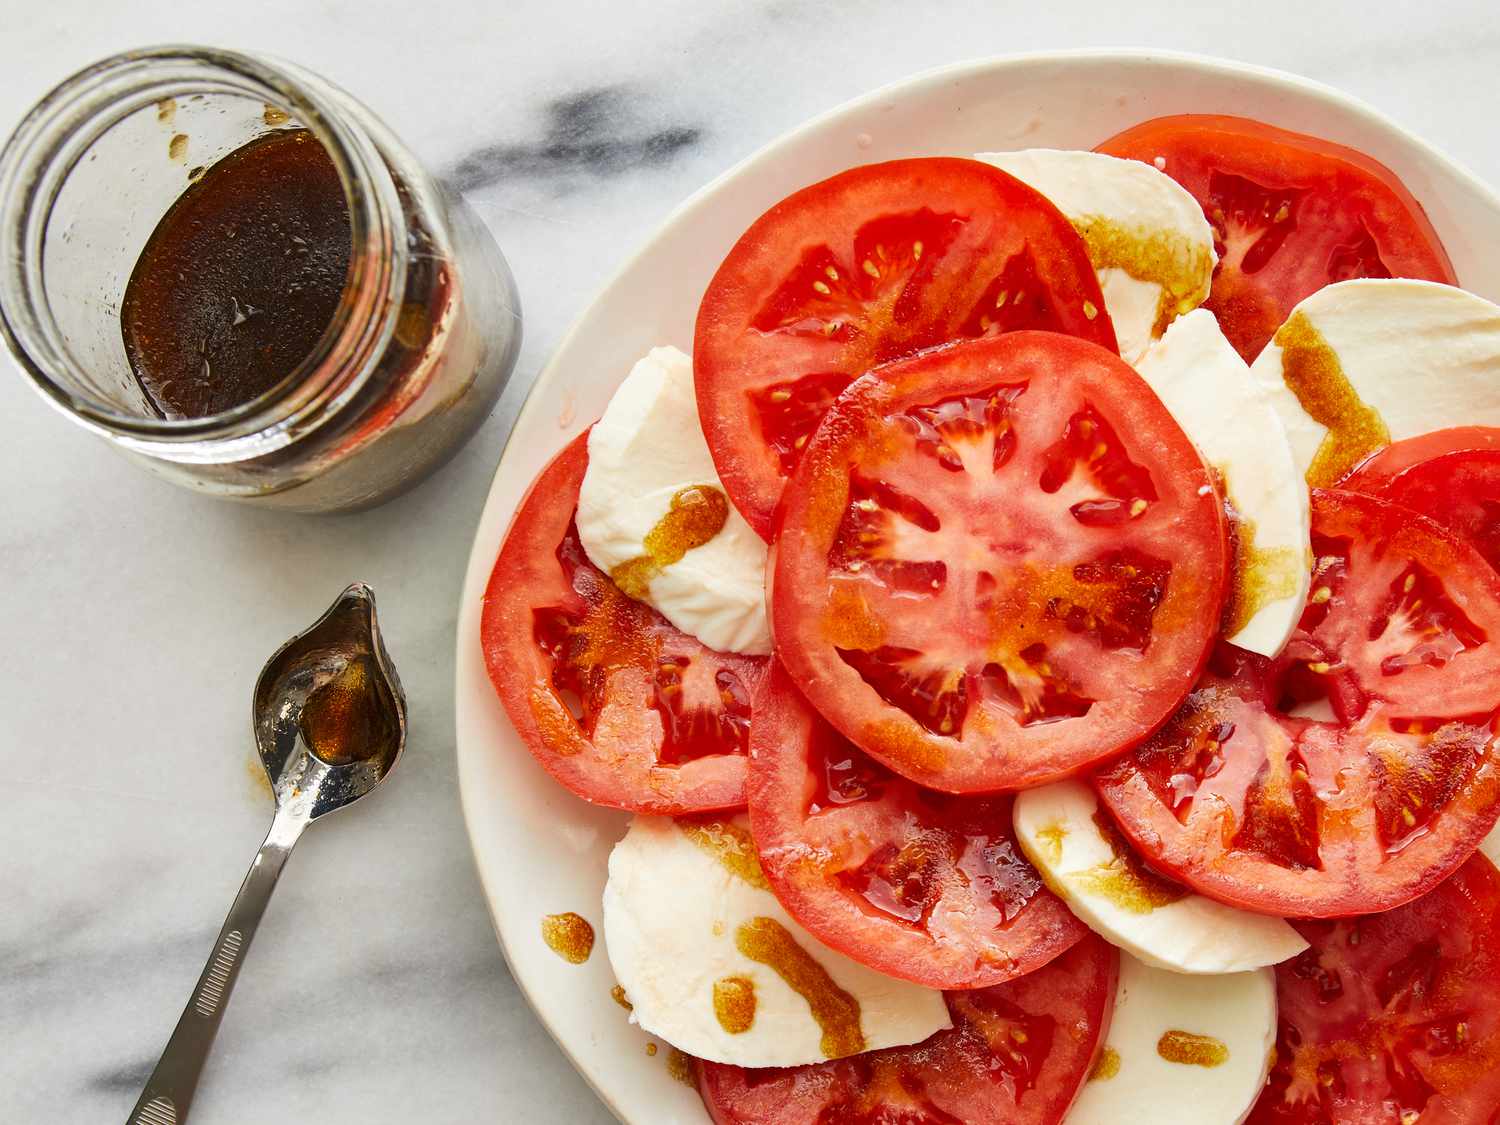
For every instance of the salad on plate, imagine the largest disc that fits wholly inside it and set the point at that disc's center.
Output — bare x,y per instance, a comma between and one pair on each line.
1042,624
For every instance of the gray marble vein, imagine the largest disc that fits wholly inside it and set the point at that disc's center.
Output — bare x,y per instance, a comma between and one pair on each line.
134,617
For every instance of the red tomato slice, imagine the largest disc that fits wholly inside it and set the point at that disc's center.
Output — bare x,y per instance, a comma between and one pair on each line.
1291,213
870,265
1451,476
1392,1017
999,562
1247,802
919,885
1017,1054
617,704
1387,463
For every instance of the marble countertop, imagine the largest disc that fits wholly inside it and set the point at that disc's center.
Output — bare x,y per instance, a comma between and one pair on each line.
135,616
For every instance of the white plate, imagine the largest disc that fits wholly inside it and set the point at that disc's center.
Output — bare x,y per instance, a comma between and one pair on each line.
539,849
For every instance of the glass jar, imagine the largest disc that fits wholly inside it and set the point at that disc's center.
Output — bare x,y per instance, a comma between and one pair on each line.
425,333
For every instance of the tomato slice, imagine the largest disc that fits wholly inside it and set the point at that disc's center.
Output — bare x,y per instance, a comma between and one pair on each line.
920,885
1017,1054
870,265
1392,1017
999,562
1291,213
617,704
1451,476
1387,463
1247,799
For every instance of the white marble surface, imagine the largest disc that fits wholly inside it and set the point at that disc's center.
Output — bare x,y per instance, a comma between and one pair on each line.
133,617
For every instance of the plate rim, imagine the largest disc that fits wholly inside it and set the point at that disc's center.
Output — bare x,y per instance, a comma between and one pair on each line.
482,549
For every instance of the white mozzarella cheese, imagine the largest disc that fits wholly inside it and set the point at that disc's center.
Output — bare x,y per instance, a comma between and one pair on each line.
1232,418
1082,858
1147,238
1181,1050
646,454
1490,846
1421,356
714,965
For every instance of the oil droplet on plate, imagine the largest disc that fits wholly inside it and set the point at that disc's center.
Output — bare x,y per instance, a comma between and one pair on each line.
731,845
767,942
617,994
177,147
274,115
1106,1066
680,1066
650,1050
734,1004
697,513
166,109
569,936
1190,1049
1311,370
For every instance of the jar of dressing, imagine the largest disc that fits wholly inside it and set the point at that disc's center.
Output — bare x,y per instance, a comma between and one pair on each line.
234,273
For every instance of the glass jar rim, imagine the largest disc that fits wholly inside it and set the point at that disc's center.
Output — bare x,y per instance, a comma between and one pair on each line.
40,155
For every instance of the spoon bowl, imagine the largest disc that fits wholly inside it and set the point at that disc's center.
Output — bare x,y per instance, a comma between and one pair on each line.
330,715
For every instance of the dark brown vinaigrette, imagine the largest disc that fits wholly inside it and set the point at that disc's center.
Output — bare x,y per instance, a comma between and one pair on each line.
240,278
345,720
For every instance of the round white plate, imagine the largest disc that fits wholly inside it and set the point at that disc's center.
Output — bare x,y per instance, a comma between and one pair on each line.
539,849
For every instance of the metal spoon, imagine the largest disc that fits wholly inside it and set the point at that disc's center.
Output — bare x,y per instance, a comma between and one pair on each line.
330,722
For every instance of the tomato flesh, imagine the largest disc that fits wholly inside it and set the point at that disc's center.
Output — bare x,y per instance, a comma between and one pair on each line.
924,886
1392,1017
618,705
866,267
998,562
1248,797
1450,476
1291,213
1017,1054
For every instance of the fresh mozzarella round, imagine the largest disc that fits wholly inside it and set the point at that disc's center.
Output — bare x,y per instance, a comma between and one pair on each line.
1362,363
1232,418
1490,846
713,964
1193,1050
1082,857
654,517
1147,238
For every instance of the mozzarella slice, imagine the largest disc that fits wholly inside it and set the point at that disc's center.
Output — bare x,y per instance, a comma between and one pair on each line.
653,515
1232,419
1082,857
713,964
1181,1050
1490,846
1147,238
1365,362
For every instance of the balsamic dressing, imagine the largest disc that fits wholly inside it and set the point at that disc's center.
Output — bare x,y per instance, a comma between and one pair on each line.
241,277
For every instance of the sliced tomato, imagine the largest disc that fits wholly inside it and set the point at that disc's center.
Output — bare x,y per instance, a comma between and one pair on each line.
1392,1017
1387,463
617,704
1451,476
1017,1054
999,562
1247,799
1291,213
925,886
870,265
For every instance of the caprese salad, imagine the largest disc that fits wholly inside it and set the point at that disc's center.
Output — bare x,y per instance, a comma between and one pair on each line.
1048,631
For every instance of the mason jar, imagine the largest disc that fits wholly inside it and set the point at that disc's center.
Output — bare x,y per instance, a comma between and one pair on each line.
423,338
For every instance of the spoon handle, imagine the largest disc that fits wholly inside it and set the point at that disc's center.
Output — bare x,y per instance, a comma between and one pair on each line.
169,1090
